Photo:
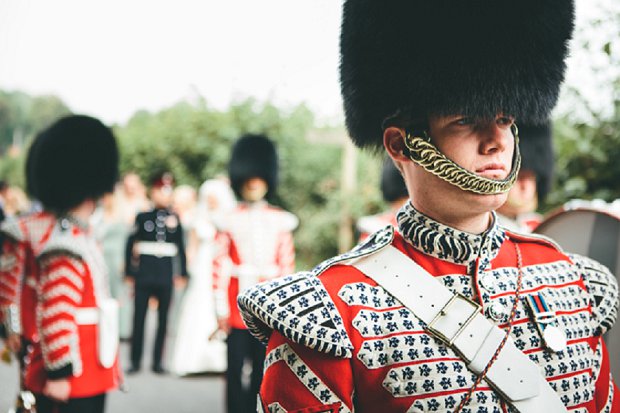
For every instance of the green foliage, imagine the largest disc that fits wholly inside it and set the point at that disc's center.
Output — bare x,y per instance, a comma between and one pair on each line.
587,152
12,170
587,160
22,115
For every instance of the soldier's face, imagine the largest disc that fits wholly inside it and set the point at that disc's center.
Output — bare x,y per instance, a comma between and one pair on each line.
482,147
254,189
162,196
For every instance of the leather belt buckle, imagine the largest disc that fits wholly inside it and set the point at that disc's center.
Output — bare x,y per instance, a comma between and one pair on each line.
455,301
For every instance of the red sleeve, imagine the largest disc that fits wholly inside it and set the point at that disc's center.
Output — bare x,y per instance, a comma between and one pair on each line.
11,276
315,382
286,254
60,293
606,394
225,251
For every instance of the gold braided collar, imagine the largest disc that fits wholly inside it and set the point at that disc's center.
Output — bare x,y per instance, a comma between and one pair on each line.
424,153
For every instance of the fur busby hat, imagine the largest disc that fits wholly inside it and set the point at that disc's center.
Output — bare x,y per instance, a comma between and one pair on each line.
393,185
253,156
29,168
161,178
403,60
76,159
536,146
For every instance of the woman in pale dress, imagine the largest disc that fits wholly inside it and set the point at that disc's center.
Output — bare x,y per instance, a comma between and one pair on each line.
198,346
111,231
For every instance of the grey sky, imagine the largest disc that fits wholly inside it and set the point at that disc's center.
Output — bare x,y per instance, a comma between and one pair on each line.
111,58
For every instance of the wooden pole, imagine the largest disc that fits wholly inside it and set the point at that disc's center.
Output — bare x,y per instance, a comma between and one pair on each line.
348,185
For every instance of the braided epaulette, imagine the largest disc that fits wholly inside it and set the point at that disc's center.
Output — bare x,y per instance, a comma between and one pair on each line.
299,307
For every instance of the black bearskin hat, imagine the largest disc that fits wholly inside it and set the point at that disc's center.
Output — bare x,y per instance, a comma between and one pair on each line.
403,60
392,183
29,168
76,159
253,156
536,146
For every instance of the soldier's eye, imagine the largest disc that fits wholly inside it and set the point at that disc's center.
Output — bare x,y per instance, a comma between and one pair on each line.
505,121
464,121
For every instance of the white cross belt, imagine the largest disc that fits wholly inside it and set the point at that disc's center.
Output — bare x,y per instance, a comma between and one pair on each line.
457,321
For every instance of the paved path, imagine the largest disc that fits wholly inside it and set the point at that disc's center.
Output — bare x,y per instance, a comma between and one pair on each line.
146,392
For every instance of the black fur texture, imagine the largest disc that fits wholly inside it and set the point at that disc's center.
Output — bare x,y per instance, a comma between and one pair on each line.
31,188
536,146
253,156
76,159
479,58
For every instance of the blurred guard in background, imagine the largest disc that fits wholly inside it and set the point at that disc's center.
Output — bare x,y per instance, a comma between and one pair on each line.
534,179
394,193
4,190
74,358
154,244
255,244
19,272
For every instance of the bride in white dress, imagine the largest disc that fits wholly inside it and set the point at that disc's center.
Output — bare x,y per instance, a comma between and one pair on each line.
198,347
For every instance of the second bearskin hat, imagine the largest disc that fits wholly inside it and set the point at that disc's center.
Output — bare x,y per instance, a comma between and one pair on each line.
253,156
76,159
536,145
31,188
393,185
408,59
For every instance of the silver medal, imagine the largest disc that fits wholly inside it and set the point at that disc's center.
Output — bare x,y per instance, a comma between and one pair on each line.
555,339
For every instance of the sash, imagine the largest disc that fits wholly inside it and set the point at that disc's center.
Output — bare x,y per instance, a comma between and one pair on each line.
108,332
457,321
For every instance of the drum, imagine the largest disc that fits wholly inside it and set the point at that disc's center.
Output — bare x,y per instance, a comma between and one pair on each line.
593,230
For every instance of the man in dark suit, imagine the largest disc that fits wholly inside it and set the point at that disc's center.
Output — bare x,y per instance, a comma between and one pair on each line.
154,244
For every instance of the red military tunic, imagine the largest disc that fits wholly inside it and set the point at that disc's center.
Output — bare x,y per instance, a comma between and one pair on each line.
341,343
72,283
255,244
24,238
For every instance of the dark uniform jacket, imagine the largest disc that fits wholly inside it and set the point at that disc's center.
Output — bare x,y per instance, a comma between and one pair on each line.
155,249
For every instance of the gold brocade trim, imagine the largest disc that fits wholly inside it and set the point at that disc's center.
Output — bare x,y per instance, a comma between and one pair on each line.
425,154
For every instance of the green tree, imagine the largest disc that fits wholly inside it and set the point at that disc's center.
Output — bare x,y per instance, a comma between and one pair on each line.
21,117
587,134
587,155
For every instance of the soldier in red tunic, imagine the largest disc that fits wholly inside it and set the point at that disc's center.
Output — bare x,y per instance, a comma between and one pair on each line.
449,312
255,244
73,362
22,240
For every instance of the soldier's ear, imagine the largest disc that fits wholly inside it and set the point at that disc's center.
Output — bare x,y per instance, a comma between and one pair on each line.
394,143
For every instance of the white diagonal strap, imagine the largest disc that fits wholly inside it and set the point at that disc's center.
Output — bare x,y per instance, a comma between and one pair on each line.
158,249
458,322
86,316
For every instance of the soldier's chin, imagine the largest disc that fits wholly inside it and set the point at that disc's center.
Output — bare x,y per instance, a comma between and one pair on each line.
253,195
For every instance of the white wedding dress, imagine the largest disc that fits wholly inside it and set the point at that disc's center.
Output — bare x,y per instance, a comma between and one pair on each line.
199,346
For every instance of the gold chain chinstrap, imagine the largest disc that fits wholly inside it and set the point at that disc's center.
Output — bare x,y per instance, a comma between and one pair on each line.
424,153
